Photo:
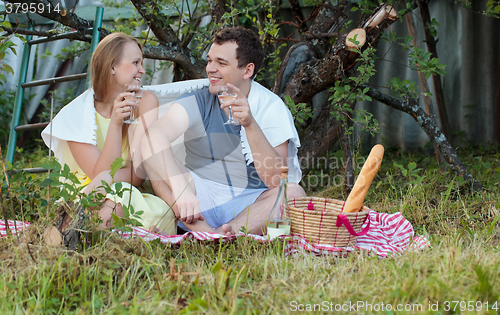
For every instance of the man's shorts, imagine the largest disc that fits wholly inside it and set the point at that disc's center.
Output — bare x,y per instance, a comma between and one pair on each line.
221,203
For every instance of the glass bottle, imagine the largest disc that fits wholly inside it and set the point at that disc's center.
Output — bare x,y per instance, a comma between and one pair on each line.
278,221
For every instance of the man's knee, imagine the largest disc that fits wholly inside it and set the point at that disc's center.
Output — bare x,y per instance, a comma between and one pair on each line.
295,191
153,141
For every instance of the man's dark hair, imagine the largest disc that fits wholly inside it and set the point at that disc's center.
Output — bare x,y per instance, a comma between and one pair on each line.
249,46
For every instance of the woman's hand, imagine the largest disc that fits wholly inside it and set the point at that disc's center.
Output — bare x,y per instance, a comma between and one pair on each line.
122,107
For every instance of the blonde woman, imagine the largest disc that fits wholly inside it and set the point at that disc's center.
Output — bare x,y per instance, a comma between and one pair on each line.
89,133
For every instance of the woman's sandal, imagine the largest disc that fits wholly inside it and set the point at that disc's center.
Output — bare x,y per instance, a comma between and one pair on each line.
70,223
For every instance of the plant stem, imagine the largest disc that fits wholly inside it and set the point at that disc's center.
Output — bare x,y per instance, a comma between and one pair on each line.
50,150
10,194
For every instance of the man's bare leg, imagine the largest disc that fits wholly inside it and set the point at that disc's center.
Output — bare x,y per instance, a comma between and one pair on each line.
253,218
162,188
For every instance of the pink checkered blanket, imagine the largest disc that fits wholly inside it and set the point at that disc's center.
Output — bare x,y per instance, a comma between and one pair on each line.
389,234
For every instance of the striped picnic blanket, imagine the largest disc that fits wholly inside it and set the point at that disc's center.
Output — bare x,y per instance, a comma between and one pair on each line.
388,234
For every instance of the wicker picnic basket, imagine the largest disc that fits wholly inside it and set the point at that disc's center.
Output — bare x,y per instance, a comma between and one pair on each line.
321,221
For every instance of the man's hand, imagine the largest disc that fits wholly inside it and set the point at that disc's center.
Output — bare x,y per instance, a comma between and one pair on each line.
240,108
187,207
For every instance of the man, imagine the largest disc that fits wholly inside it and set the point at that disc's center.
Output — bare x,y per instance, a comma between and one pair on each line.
232,172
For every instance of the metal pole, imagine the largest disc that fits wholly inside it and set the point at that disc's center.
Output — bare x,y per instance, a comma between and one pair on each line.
18,103
96,34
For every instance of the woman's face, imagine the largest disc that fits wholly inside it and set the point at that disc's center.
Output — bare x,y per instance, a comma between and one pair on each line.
129,69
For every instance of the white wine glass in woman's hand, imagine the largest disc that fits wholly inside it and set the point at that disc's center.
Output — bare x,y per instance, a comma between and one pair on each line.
138,92
225,93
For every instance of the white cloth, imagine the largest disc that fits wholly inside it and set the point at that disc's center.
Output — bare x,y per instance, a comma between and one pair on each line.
276,122
74,122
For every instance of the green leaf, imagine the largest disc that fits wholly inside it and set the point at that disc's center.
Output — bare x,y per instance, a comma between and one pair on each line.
13,50
8,68
412,166
405,172
116,165
492,225
196,305
118,188
66,168
46,182
215,268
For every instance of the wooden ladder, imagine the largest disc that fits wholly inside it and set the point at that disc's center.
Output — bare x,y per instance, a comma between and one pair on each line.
22,84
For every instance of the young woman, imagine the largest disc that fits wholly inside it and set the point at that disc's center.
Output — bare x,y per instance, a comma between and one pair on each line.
89,133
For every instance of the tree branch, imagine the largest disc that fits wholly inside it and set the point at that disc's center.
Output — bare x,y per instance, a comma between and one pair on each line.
298,15
193,67
68,19
169,48
217,9
318,75
22,31
412,108
152,52
156,20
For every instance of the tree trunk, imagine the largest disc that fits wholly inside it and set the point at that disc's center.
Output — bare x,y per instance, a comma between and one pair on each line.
349,167
298,16
497,114
319,75
424,86
217,9
436,78
321,134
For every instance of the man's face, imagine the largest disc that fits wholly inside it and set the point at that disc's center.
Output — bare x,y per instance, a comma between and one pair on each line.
222,66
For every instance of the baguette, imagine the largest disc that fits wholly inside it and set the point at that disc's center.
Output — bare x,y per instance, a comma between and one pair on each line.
357,196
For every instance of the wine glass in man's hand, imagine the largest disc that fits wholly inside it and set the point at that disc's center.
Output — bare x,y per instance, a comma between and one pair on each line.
225,93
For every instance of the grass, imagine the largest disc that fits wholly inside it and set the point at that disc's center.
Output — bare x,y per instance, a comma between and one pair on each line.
118,275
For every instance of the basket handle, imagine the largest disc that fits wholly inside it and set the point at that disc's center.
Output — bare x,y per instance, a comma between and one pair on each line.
342,219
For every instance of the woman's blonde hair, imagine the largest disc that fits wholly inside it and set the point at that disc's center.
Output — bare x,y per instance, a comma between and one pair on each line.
106,55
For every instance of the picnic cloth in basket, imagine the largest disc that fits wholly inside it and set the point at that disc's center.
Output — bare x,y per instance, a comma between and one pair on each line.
388,234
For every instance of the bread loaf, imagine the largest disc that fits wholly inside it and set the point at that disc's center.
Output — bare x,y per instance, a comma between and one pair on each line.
357,196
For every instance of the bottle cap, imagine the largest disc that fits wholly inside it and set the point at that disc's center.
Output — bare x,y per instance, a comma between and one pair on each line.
284,171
